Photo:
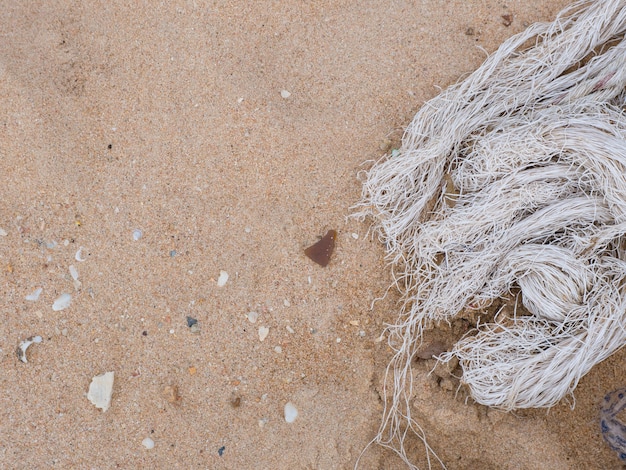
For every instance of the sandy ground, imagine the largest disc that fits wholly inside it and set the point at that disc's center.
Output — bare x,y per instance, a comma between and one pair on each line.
168,118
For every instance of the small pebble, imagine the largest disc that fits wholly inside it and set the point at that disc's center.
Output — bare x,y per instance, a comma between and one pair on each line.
223,279
355,236
285,94
291,412
290,329
278,349
247,230
148,443
221,450
64,331
62,302
35,295
170,393
263,332
191,322
137,234
3,233
252,317
286,303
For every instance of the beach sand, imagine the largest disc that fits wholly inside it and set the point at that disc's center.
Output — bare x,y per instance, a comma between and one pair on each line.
177,140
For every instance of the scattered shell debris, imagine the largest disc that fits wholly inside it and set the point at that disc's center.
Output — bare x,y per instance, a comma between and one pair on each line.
321,251
223,279
137,234
252,317
34,297
62,302
79,255
291,412
148,443
263,332
24,344
101,390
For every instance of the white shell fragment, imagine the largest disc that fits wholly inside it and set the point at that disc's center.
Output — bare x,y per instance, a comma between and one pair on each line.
252,317
100,390
62,302
137,234
291,412
223,279
34,297
148,443
21,350
285,94
263,332
79,256
73,272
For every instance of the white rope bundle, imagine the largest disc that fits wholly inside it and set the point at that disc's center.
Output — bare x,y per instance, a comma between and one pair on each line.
514,178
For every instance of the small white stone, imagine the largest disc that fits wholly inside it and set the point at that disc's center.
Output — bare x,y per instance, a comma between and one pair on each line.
137,234
339,340
148,443
62,302
290,329
278,349
285,94
3,233
263,332
223,279
252,317
247,230
291,412
355,236
35,295
286,303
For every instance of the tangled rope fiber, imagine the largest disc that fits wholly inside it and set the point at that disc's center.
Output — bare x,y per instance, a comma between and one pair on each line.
513,180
